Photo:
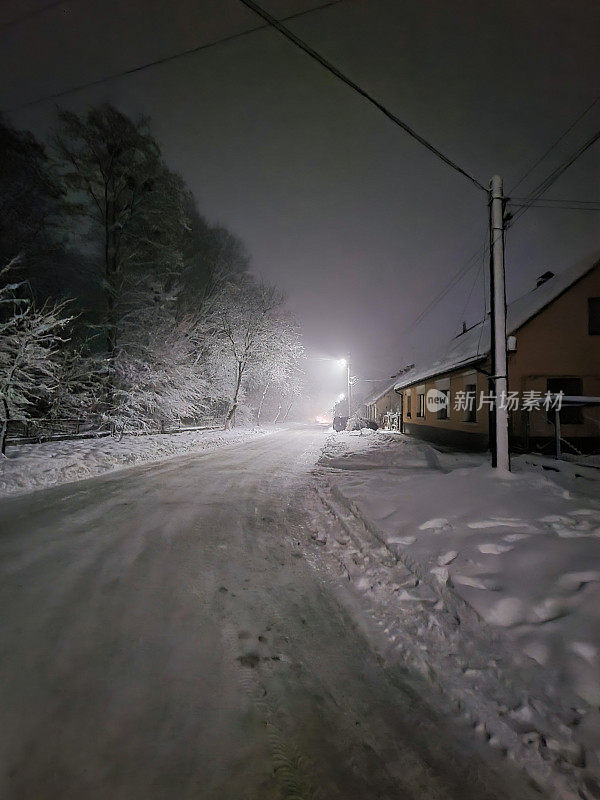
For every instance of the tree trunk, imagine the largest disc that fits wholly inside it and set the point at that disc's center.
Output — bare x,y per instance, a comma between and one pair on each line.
278,413
4,431
262,400
234,402
288,409
108,276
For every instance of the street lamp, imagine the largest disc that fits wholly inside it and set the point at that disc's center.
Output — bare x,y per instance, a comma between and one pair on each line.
345,362
341,363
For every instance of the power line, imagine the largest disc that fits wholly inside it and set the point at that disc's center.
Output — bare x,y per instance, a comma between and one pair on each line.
482,324
556,142
464,270
36,12
528,203
543,187
164,60
558,200
463,313
560,207
340,75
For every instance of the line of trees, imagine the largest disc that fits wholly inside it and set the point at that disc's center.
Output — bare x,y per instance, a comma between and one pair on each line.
118,301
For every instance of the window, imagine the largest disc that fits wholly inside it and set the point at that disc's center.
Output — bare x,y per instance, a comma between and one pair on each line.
421,411
408,404
569,415
594,316
443,410
471,402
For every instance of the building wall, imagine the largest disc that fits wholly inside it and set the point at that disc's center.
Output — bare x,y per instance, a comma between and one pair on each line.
456,430
387,402
556,344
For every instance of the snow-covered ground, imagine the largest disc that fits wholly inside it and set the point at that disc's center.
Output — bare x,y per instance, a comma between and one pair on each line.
516,560
38,466
164,637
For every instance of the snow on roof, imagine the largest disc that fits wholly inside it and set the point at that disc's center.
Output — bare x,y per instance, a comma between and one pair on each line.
383,387
474,345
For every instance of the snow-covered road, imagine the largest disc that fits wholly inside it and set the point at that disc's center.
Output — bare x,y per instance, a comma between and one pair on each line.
164,637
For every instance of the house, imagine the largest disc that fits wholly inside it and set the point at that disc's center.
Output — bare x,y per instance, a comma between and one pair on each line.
553,342
382,400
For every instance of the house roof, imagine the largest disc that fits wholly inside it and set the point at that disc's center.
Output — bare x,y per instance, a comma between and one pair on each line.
383,387
474,345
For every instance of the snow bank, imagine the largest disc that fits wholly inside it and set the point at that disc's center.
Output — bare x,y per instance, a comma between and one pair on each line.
38,466
523,551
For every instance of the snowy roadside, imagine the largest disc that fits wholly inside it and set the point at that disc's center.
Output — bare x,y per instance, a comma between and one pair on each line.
515,563
38,466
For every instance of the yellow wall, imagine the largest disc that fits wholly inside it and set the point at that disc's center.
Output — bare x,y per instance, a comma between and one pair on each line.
556,343
456,419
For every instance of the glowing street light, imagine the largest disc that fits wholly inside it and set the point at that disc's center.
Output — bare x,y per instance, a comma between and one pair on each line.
345,362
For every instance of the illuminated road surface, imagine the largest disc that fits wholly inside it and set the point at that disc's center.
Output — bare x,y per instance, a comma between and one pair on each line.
163,637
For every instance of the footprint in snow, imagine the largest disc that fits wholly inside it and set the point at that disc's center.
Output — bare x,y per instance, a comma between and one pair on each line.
497,523
250,660
447,558
550,609
575,580
556,519
507,612
492,549
514,537
435,525
469,580
405,540
586,651
570,533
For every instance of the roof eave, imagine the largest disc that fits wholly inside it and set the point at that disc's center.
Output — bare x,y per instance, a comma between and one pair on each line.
436,373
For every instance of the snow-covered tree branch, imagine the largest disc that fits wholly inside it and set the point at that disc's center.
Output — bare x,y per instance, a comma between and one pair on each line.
29,341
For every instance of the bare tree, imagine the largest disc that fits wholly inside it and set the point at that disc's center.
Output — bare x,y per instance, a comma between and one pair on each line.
279,357
134,205
29,341
156,376
31,200
243,318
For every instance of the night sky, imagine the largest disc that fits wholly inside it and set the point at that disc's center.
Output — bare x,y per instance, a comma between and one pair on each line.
360,225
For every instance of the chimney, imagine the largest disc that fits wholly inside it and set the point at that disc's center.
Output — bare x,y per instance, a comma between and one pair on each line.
543,278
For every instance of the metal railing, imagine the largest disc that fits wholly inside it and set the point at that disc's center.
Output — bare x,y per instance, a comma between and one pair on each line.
36,431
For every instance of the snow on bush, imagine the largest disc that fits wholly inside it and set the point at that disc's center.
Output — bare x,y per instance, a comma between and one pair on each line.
29,341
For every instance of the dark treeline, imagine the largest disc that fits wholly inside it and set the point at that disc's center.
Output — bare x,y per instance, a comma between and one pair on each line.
119,302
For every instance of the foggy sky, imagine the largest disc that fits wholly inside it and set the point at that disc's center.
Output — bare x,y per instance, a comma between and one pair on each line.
355,221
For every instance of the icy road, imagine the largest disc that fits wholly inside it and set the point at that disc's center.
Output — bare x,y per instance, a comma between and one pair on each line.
164,637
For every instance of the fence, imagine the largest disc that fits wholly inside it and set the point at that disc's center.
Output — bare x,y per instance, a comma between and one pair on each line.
41,430
32,431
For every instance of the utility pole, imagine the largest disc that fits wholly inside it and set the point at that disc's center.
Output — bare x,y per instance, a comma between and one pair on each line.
498,326
349,392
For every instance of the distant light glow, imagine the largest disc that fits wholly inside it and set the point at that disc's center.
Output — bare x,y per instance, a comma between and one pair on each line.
342,362
341,397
